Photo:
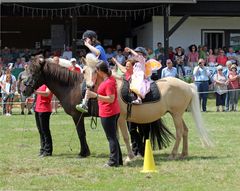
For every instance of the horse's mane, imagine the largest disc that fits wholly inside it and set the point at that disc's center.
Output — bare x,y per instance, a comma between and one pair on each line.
62,74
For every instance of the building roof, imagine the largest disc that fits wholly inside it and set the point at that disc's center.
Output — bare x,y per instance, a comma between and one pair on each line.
99,1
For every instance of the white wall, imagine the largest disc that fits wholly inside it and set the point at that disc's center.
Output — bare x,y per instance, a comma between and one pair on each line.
144,35
188,33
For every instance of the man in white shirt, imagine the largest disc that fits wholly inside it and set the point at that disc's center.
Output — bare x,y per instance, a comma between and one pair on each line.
67,54
169,71
201,79
231,55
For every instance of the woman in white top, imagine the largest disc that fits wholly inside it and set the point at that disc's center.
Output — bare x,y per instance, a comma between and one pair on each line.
220,84
8,85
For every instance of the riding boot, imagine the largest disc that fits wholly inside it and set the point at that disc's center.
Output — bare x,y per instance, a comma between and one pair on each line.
82,107
137,101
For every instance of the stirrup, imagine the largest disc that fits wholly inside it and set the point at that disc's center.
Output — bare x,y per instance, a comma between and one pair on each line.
82,108
137,101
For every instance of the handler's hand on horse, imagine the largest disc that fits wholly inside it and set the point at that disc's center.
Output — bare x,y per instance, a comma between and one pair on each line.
90,94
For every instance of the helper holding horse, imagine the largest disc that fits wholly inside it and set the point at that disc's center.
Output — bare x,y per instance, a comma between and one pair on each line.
109,111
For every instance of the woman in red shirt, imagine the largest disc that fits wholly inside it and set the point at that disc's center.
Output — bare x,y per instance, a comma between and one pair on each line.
127,70
109,111
233,85
43,110
221,58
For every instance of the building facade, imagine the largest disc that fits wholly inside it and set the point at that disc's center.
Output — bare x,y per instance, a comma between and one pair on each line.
131,23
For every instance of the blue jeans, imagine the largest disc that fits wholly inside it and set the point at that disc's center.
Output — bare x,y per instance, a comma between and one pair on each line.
203,86
227,100
233,100
178,66
6,98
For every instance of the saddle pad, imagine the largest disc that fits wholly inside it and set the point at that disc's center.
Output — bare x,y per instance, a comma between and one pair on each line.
128,97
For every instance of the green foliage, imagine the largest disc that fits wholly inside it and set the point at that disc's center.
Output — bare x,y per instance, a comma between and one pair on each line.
207,169
188,79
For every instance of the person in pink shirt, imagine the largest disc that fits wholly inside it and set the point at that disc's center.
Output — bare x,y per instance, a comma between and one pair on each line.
193,56
140,85
221,58
211,58
233,86
43,110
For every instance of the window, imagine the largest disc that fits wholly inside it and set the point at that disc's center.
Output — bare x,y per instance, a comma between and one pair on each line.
213,39
235,41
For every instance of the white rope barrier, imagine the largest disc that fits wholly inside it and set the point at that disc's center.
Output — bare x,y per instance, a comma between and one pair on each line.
56,101
214,91
19,102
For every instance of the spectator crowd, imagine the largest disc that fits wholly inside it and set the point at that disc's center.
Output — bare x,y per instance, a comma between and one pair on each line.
218,69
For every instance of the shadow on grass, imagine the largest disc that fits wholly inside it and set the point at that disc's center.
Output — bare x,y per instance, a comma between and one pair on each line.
161,158
67,155
76,155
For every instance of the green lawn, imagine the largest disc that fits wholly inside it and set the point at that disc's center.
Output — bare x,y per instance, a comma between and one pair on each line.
212,169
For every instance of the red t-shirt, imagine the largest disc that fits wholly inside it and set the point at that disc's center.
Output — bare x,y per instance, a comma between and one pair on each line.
233,84
222,60
43,104
106,88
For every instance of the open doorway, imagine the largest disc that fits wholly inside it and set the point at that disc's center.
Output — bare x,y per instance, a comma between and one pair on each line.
213,39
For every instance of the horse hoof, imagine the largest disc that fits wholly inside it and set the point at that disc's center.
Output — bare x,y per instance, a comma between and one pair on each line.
131,156
81,157
183,156
128,160
172,157
85,155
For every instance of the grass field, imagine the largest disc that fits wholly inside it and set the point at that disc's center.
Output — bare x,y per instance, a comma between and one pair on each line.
206,169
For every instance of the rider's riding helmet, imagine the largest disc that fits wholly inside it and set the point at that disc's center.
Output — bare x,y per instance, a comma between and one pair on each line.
141,50
89,34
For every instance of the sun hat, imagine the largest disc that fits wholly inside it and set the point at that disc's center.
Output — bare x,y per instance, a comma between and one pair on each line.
219,67
73,60
228,63
234,66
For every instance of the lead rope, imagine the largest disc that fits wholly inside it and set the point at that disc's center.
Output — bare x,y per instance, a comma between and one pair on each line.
93,121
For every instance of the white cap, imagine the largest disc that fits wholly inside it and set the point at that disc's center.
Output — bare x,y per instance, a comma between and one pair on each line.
219,67
228,63
73,60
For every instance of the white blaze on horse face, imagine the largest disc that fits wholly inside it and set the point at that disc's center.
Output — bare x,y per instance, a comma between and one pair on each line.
90,75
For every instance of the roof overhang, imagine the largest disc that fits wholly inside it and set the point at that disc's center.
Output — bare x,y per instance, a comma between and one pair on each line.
99,1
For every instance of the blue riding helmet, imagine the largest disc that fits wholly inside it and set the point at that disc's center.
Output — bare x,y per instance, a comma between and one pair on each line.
141,50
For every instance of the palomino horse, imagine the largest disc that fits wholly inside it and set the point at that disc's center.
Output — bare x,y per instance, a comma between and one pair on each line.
176,97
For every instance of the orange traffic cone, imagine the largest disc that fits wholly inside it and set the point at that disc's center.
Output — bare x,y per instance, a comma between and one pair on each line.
149,164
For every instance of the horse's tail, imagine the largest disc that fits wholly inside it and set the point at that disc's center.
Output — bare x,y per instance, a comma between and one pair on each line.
160,134
196,113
